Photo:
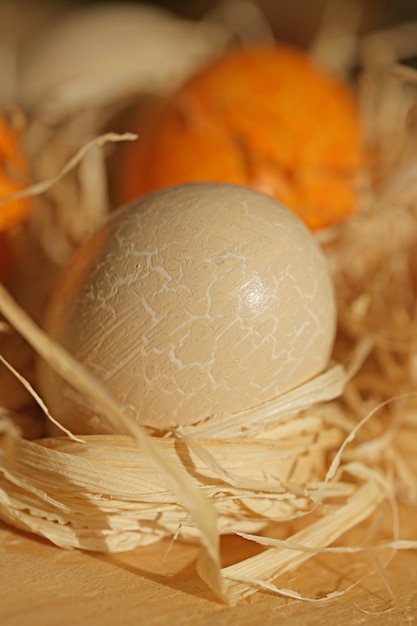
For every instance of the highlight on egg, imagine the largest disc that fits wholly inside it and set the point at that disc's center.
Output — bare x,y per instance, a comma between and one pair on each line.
194,301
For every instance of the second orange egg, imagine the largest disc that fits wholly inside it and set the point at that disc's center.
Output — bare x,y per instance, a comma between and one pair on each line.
266,117
13,177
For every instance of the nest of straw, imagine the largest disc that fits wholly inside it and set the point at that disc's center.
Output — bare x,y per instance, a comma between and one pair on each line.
293,475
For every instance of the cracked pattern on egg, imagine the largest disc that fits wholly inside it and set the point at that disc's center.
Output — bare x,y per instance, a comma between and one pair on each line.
193,301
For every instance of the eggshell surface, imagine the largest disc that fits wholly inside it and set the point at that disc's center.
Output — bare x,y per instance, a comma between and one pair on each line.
195,300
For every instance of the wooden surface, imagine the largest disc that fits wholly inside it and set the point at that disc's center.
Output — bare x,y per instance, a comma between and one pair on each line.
158,585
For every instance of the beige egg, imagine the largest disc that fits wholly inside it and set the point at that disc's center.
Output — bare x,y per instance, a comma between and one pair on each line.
195,300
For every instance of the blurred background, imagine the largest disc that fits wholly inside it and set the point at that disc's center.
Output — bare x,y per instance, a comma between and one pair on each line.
296,20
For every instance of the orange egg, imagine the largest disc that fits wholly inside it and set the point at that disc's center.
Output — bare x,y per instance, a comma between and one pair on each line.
13,175
266,117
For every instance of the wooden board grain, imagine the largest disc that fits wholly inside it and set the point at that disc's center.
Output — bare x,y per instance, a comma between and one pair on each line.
158,586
